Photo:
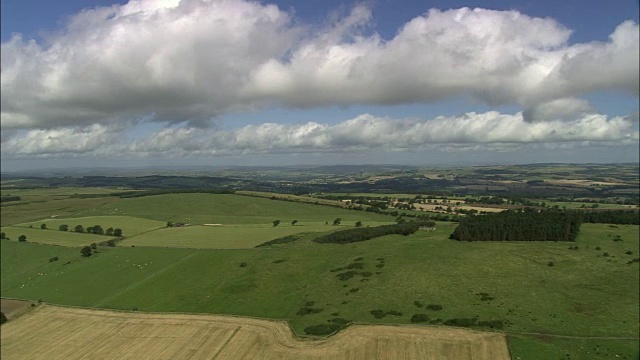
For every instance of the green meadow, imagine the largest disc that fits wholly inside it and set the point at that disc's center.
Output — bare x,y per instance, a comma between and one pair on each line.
54,237
585,293
224,237
130,225
227,209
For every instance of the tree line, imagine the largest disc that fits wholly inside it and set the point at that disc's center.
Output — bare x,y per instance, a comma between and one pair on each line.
519,226
362,234
622,217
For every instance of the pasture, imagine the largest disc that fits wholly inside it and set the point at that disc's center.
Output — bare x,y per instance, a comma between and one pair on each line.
200,209
130,225
589,288
224,236
109,334
54,237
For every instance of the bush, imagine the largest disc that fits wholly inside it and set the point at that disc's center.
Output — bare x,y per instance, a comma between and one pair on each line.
394,313
43,226
306,310
63,227
55,258
493,324
22,238
418,304
378,314
435,307
3,318
86,251
94,246
111,243
323,329
463,322
243,264
355,265
418,318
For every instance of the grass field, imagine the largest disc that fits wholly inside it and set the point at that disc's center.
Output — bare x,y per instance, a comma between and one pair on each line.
130,225
228,209
224,237
109,334
54,237
585,293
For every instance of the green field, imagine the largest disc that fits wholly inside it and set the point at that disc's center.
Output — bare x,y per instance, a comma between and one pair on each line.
584,294
130,225
54,237
224,237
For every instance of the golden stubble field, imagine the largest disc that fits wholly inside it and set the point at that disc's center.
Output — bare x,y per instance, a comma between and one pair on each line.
52,332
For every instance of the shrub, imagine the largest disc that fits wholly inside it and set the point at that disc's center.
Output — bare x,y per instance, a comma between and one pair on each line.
86,251
306,310
347,275
394,313
378,314
418,318
323,329
493,324
3,318
418,303
355,265
550,263
111,243
463,322
243,264
94,246
43,226
340,321
437,307
55,258
3,235
629,252
63,227
22,238
279,261
358,259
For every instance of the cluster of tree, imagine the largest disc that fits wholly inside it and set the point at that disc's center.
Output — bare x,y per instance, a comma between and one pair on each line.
8,198
281,240
96,229
362,234
624,217
519,226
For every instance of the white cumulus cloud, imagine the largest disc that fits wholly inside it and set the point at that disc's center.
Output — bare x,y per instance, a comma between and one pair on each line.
191,60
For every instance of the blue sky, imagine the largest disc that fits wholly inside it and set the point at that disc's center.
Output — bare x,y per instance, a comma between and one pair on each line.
204,82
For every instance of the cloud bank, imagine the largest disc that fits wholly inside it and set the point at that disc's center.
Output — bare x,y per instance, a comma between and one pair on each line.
189,61
491,131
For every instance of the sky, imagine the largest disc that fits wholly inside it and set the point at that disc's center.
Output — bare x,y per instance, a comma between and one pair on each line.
230,82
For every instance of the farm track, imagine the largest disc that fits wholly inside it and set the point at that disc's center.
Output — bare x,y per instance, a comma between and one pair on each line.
52,332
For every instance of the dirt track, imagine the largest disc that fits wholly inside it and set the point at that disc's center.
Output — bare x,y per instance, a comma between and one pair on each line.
51,332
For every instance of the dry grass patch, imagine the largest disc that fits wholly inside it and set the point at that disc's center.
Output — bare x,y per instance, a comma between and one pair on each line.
71,333
11,307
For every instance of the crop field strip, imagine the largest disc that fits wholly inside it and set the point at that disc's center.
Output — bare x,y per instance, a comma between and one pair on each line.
100,334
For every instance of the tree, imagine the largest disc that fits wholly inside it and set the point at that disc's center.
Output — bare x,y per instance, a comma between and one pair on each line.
94,246
86,251
117,232
294,222
337,221
169,223
358,223
78,229
43,226
3,236
90,230
109,231
97,229
276,223
3,318
63,227
22,238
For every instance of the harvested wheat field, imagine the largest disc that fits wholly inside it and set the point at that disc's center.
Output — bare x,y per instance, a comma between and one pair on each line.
52,332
